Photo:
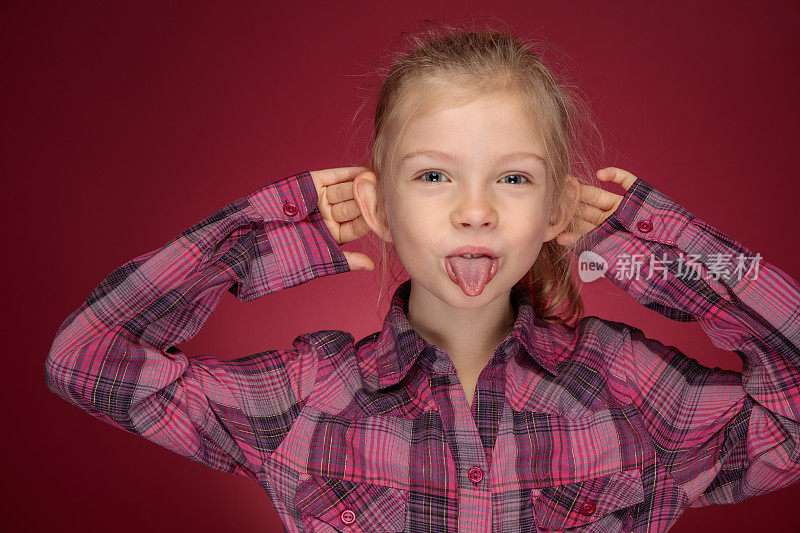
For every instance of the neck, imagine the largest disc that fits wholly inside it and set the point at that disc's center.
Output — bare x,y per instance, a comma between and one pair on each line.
468,336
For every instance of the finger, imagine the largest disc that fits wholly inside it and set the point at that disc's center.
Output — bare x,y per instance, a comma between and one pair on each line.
334,228
345,211
330,176
359,261
583,227
599,197
354,229
568,238
339,192
590,213
617,175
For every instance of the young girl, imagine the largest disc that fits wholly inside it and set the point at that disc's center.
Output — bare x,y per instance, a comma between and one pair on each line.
477,407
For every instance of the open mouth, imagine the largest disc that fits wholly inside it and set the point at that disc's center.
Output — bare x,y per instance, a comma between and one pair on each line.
471,272
473,251
492,269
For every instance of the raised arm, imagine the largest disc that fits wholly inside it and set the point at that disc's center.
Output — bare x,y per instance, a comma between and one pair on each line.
724,436
115,356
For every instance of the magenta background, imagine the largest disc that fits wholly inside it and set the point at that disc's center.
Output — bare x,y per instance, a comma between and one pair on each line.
125,124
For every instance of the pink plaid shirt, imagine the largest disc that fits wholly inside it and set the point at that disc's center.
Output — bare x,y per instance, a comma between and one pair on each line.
596,428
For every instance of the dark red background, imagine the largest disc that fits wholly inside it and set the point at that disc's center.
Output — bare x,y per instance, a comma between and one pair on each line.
125,123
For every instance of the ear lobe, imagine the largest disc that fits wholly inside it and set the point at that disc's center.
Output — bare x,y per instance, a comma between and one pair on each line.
365,193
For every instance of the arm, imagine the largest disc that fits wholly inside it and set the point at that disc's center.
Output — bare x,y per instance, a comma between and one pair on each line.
115,357
723,436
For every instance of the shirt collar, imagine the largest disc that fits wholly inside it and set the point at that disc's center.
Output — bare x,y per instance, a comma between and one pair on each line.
398,345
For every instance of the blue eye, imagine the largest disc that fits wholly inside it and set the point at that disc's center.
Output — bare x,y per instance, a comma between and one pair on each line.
432,172
440,176
519,176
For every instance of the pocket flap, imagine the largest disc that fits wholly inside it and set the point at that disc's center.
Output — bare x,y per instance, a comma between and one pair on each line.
576,504
351,506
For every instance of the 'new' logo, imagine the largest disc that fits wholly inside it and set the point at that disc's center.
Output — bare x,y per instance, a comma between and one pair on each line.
591,266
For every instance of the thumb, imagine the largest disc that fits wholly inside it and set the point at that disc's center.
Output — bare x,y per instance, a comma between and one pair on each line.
359,261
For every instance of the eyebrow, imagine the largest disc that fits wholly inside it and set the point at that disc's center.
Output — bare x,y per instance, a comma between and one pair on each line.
458,159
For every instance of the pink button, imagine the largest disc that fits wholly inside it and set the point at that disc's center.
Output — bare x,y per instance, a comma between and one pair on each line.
536,492
347,516
644,226
290,209
587,508
475,474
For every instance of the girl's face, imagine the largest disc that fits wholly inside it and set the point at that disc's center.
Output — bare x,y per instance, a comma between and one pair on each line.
469,175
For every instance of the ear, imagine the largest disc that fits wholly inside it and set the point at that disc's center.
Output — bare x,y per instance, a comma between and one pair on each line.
562,214
365,193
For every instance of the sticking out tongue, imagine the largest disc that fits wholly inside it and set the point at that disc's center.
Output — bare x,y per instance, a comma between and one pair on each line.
471,275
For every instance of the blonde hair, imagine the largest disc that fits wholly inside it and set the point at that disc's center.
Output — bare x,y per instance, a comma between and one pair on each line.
464,63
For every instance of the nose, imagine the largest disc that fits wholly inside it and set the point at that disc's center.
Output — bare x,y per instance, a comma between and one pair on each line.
475,209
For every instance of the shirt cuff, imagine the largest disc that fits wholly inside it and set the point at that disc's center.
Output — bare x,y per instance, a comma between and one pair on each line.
645,212
289,199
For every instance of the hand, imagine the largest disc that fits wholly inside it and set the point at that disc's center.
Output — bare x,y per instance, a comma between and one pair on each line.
340,211
596,204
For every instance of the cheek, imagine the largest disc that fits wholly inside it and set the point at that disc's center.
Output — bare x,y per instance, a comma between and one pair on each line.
530,224
418,233
527,239
408,228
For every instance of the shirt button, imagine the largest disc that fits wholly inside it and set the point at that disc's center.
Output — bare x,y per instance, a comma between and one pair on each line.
536,492
290,209
587,508
475,474
347,516
644,226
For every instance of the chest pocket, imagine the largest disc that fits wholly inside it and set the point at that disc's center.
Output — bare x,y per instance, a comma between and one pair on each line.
329,504
604,503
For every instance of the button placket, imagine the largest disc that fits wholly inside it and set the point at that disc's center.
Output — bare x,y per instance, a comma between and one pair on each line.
475,475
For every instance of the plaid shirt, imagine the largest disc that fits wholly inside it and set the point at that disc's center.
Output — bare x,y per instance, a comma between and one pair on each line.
596,428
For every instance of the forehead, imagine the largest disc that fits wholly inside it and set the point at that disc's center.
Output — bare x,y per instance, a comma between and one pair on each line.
475,127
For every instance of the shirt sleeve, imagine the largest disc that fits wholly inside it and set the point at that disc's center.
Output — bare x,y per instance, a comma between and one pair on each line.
724,436
115,357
